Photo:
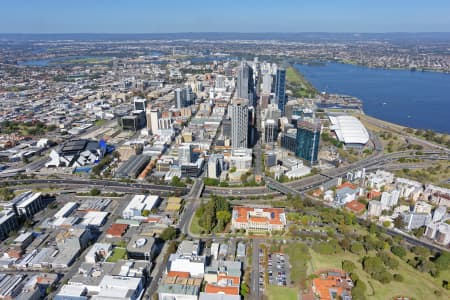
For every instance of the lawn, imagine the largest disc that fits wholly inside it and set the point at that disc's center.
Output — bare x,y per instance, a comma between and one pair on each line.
298,259
415,284
292,76
195,227
285,293
118,254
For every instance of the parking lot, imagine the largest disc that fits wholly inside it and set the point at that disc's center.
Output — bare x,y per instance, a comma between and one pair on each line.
274,269
278,269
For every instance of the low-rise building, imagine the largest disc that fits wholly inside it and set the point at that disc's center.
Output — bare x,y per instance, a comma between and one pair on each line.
257,219
179,286
138,204
332,284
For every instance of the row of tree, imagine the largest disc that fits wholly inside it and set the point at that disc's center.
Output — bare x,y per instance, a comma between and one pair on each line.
214,215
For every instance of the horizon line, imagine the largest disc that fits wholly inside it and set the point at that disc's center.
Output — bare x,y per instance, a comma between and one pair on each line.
238,32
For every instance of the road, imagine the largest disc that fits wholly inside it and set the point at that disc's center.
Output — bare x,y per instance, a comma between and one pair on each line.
97,183
254,286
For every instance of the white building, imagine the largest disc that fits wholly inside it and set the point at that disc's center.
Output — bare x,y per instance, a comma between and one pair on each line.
98,252
375,208
414,220
389,200
349,130
215,165
118,287
239,123
379,179
439,232
241,158
138,204
422,207
152,121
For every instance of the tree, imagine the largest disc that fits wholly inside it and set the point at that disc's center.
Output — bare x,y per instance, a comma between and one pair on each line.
145,213
244,289
373,265
223,217
345,243
421,251
169,233
356,248
398,250
95,192
419,232
176,181
386,224
398,277
399,223
6,194
348,266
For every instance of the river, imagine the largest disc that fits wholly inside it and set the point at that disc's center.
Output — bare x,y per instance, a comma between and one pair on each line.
413,99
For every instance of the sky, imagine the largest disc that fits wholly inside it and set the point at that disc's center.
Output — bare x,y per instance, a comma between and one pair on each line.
166,16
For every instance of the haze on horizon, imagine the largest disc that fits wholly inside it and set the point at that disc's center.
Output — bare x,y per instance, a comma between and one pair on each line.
144,16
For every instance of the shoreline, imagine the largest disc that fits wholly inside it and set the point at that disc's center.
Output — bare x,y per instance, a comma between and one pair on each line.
355,63
404,127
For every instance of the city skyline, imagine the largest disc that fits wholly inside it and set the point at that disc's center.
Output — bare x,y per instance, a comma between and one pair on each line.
138,16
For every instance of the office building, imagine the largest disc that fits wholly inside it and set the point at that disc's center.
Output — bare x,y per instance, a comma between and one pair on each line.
152,120
226,128
135,121
245,85
270,131
140,104
239,123
280,89
215,165
308,138
267,83
289,140
184,97
185,154
27,204
241,158
8,223
220,82
180,98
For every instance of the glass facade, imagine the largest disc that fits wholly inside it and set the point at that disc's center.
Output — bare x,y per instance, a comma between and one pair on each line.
307,146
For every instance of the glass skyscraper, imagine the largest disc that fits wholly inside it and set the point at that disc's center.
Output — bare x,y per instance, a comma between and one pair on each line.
307,143
280,89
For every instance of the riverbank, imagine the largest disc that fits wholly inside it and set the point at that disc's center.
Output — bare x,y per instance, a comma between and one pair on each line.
299,86
411,99
356,63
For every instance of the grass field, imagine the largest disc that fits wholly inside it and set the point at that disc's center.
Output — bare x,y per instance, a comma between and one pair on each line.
415,284
298,84
285,293
195,228
298,258
292,76
118,254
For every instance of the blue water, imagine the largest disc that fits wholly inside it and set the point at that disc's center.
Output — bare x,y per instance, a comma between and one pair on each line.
413,99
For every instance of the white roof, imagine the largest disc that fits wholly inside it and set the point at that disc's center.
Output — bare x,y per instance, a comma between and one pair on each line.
349,130
69,206
94,218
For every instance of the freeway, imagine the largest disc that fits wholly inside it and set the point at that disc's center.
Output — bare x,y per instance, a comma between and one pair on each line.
96,183
411,138
191,206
